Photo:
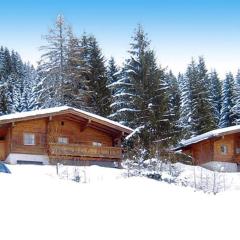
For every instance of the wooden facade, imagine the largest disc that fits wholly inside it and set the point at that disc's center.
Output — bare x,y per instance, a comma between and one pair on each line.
225,148
64,135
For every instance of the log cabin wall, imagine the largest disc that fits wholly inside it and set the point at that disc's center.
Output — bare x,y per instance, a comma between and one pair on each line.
8,141
224,148
201,152
77,133
237,148
36,126
54,129
4,141
63,128
90,135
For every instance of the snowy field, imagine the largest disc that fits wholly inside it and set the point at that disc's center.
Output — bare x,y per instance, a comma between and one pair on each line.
36,204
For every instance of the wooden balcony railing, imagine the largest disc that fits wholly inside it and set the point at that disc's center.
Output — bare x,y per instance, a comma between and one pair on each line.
78,150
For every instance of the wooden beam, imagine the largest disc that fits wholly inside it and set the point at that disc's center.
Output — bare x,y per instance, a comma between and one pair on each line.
87,123
71,119
103,127
77,117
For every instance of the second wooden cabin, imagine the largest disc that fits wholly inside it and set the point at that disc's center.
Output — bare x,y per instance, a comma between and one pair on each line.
220,145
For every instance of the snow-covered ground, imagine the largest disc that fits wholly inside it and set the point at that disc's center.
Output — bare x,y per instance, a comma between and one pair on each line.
36,204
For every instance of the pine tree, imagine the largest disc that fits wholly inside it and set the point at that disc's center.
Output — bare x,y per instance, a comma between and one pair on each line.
5,71
202,111
140,100
75,88
236,107
121,98
52,67
173,102
16,83
95,73
21,86
113,73
197,110
215,95
30,93
135,89
227,116
185,106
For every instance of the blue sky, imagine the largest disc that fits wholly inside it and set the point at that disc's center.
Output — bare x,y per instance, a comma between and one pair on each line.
178,29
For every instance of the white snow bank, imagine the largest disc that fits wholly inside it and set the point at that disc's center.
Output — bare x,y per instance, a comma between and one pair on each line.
35,204
91,174
221,166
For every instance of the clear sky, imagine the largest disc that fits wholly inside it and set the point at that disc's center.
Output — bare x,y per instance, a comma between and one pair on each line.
178,29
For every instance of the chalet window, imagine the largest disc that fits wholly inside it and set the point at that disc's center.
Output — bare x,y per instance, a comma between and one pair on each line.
238,146
237,150
97,144
29,139
63,140
224,149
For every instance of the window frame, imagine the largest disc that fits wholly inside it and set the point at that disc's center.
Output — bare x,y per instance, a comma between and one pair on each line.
97,144
63,142
26,139
237,150
224,149
237,146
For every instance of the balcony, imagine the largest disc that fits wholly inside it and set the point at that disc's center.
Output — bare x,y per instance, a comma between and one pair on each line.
80,150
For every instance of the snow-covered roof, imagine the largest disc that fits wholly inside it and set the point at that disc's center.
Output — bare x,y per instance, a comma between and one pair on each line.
61,110
209,135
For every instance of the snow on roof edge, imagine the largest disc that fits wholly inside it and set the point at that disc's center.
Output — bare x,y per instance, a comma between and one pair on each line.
209,135
53,110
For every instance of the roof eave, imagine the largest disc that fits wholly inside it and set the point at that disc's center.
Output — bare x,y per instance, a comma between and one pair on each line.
72,111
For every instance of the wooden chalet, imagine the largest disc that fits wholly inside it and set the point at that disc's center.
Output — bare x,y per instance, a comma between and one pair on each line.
220,145
60,134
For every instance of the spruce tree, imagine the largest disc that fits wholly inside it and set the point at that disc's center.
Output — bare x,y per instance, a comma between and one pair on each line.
15,83
114,74
227,117
5,71
173,102
185,106
140,100
197,115
135,89
202,111
121,98
30,92
236,107
75,89
215,95
52,67
95,74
